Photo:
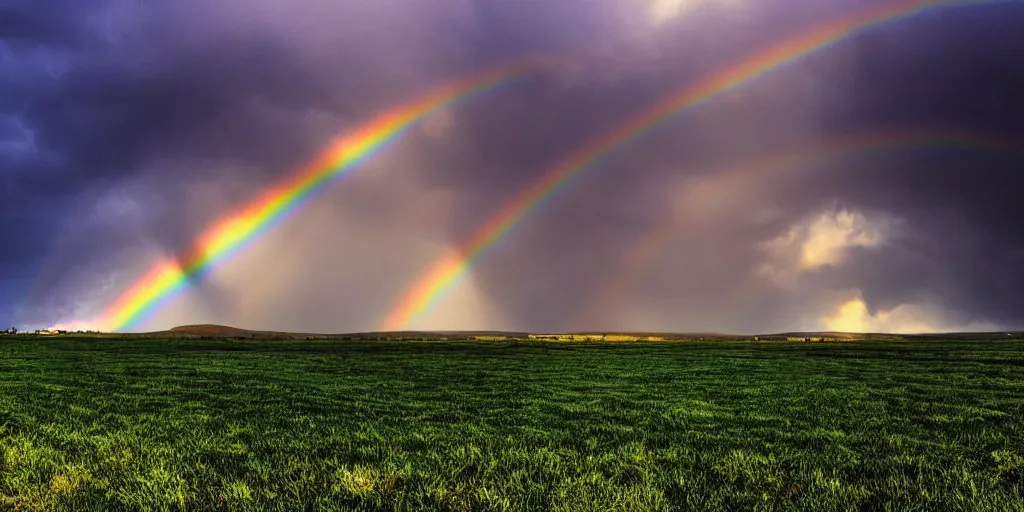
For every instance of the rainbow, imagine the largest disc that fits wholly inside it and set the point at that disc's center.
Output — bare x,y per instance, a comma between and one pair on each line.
773,167
231,233
427,291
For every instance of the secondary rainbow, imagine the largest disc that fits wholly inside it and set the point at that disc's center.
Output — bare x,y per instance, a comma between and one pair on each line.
777,166
341,156
427,291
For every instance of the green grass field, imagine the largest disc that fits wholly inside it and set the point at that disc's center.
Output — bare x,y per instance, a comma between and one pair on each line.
96,424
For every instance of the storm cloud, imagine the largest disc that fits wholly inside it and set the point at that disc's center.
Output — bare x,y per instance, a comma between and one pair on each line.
128,128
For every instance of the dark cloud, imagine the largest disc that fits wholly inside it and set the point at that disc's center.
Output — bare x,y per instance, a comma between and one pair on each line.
127,129
54,23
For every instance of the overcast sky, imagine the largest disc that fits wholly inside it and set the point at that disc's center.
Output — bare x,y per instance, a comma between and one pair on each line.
127,128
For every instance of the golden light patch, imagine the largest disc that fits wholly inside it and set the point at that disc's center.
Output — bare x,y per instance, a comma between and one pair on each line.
466,308
853,316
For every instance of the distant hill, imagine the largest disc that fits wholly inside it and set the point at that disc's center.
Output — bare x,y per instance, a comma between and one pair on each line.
210,330
223,331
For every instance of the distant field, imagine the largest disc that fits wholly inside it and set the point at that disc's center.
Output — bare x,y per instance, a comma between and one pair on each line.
93,424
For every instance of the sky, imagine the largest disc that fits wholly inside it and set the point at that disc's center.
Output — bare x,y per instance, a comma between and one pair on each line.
128,129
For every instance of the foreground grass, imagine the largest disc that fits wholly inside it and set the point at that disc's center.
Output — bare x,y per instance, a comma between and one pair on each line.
198,425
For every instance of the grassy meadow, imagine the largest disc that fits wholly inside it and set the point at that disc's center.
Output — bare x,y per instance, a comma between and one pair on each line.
94,424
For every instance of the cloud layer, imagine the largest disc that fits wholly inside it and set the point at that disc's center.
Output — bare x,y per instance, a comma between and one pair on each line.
128,128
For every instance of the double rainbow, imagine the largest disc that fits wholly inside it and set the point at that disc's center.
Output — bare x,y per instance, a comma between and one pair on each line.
431,287
229,235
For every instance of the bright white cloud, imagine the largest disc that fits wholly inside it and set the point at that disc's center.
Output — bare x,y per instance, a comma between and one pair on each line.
661,11
664,10
823,239
828,238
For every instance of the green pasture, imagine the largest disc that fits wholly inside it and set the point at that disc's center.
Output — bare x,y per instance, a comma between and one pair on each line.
95,424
